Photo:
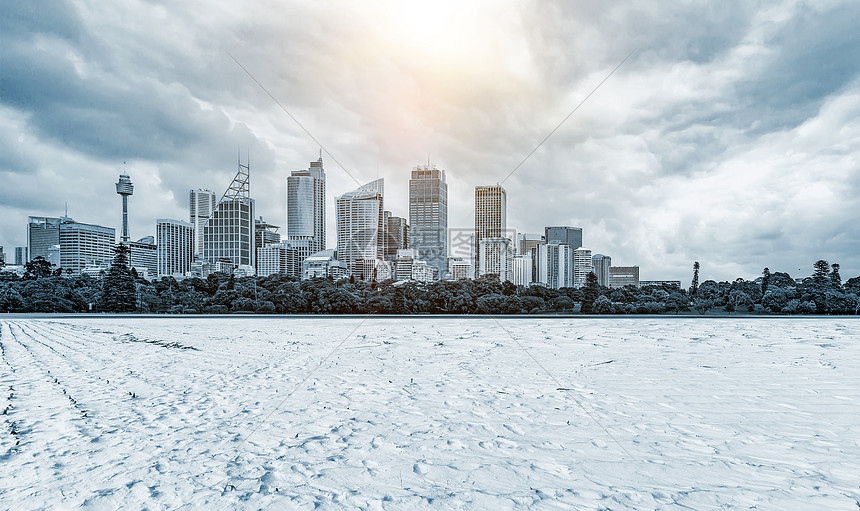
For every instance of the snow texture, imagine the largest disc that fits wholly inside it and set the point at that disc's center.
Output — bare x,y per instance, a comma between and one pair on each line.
430,413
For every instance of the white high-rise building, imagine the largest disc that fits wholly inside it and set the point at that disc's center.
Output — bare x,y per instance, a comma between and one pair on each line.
306,209
601,264
360,229
490,218
174,248
228,234
581,266
496,257
522,267
201,204
428,216
554,265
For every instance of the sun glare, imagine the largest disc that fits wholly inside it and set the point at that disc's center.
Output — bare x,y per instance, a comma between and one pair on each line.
443,30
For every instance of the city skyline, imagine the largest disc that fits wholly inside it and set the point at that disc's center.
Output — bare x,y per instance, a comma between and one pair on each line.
729,137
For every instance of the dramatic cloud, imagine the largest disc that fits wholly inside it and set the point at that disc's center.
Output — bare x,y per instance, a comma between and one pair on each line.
730,136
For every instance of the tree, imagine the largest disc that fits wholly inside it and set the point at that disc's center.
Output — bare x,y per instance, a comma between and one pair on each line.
834,275
702,305
118,289
590,291
603,306
37,268
694,287
822,270
765,280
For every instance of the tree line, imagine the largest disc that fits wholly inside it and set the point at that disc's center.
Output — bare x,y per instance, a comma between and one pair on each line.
42,289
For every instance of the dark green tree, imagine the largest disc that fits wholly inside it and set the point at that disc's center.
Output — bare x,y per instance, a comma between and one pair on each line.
834,275
822,270
694,286
765,280
590,292
118,289
37,268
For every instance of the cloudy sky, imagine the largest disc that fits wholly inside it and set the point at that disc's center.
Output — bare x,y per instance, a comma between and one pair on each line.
730,136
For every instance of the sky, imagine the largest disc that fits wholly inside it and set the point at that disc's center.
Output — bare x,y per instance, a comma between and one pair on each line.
729,136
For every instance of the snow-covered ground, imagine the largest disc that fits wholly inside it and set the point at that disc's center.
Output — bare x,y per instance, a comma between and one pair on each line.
430,413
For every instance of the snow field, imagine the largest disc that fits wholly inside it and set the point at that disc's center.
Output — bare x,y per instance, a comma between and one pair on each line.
430,413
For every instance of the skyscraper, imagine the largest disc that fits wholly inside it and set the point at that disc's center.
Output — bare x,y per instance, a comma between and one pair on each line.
228,234
522,270
21,256
554,265
581,266
201,204
396,235
568,235
175,247
490,217
42,234
83,245
496,258
360,224
306,209
601,264
428,216
528,242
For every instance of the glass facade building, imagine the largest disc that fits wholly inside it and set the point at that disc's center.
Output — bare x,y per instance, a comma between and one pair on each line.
428,216
360,224
201,204
305,220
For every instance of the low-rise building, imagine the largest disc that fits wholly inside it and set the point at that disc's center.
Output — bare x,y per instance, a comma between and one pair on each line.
620,276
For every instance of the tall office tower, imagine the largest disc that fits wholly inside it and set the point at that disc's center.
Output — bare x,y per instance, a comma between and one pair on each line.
601,264
581,266
175,247
228,235
42,234
201,204
144,256
568,235
554,265
306,209
522,270
124,188
2,256
360,224
496,257
396,235
21,256
83,245
490,218
528,242
620,276
428,216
